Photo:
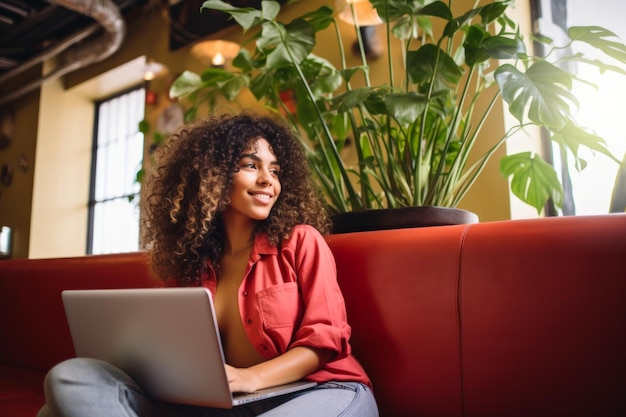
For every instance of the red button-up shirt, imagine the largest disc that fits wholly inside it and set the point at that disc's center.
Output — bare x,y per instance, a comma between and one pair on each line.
289,297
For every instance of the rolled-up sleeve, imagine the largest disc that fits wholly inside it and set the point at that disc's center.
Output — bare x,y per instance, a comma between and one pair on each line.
324,323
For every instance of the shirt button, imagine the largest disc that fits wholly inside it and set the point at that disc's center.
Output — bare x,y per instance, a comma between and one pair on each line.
249,321
265,347
245,293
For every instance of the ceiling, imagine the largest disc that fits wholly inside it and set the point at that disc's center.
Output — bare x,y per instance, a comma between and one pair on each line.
79,33
29,27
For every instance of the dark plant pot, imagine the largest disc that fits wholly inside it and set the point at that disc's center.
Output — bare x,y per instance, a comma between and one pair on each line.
400,218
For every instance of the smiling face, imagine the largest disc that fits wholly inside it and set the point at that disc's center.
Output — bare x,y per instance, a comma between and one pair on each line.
256,184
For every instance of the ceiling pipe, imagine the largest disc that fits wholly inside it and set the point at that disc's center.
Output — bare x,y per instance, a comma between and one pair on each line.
71,58
49,53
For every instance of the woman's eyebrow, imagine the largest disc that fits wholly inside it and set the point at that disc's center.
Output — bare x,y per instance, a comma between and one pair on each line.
254,157
251,155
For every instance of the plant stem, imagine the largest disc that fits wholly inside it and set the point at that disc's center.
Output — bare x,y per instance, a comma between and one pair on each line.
359,38
389,54
463,155
327,133
474,171
353,126
453,127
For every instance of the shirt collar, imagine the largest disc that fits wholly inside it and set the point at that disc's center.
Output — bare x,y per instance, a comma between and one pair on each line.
262,246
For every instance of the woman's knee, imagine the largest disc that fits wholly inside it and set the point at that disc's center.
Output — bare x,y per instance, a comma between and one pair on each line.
81,373
345,399
82,386
73,370
360,403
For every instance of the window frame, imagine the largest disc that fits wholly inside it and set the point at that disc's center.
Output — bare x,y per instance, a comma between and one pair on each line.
93,202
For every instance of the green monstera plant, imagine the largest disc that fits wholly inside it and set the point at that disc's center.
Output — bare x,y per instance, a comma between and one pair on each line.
414,133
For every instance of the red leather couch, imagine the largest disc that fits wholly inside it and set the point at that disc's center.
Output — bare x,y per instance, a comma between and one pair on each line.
501,319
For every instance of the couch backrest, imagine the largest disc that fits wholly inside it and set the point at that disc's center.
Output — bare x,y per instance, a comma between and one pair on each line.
543,317
401,291
511,318
400,287
33,329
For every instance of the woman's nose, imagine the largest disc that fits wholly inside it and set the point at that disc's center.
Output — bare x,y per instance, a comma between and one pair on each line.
265,177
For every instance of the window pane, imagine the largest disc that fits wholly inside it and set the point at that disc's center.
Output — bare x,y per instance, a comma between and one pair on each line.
602,100
601,107
119,150
116,227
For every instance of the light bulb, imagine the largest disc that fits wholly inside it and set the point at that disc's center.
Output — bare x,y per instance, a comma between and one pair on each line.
218,60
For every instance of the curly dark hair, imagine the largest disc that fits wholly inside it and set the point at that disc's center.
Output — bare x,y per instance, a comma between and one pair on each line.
190,186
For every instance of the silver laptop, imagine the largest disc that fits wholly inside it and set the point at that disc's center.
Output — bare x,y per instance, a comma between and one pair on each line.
167,339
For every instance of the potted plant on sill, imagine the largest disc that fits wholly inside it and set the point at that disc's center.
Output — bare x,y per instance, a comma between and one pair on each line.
414,133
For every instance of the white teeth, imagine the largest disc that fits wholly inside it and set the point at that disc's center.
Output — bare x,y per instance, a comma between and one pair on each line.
264,196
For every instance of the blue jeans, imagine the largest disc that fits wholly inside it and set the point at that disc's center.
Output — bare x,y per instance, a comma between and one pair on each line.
87,387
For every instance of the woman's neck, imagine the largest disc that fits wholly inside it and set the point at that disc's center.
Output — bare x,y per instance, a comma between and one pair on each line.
238,235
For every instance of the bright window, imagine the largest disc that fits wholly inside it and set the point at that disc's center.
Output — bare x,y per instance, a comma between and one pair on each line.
117,156
602,105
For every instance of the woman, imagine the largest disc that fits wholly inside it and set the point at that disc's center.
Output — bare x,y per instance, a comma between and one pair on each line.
230,207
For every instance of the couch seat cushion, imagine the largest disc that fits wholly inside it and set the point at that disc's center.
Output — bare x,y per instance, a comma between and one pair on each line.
21,391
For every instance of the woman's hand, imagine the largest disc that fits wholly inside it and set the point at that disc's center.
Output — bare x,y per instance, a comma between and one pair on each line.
291,366
241,379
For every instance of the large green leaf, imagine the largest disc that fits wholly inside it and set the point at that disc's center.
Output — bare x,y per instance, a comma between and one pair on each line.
262,84
286,45
269,10
425,65
493,11
572,137
596,37
393,10
350,99
307,115
405,108
458,22
324,77
231,87
480,45
213,76
502,47
350,72
243,60
404,28
320,19
532,179
474,53
436,9
246,17
375,105
602,65
542,93
187,83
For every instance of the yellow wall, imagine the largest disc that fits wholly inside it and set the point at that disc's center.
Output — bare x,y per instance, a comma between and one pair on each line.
62,174
46,206
15,200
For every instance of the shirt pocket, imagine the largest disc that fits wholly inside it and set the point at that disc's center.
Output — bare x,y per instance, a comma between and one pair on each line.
279,305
